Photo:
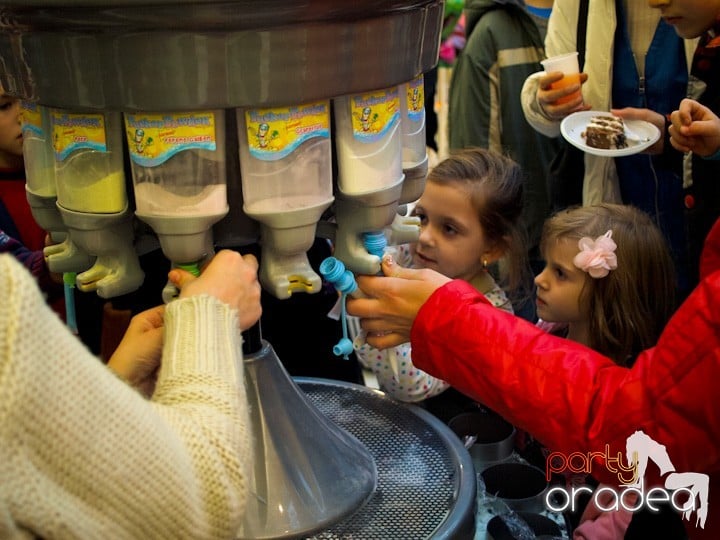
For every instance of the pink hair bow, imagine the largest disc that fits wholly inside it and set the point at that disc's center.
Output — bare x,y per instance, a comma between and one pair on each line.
597,257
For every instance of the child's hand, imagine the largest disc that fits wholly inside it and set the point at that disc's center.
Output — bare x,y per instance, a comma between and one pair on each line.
695,128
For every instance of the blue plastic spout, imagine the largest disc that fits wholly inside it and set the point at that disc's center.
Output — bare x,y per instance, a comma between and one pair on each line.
375,243
334,272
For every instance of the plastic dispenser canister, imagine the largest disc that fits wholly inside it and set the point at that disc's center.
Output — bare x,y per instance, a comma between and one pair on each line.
92,199
286,165
370,175
41,191
38,150
88,162
179,178
414,148
404,228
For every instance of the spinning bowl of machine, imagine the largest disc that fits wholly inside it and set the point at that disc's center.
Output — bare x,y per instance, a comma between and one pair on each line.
215,107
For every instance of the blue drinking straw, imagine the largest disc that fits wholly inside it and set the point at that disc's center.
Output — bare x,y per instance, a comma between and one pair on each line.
69,279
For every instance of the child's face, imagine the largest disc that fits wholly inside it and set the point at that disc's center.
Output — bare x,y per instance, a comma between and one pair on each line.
691,18
11,140
451,240
560,285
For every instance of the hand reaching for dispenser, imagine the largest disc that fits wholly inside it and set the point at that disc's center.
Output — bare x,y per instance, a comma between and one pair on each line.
394,301
229,276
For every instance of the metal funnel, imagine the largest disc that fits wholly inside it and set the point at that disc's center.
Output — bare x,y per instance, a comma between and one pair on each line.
309,474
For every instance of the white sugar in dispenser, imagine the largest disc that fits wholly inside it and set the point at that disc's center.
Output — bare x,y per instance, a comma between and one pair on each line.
405,228
286,164
92,198
370,174
180,185
414,147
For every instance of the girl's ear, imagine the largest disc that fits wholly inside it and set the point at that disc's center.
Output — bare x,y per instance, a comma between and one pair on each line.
496,252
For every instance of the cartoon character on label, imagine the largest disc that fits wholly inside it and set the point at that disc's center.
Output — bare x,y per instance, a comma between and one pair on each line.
263,137
365,121
139,140
415,103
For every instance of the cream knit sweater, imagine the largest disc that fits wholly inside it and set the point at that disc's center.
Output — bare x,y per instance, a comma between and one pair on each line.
83,455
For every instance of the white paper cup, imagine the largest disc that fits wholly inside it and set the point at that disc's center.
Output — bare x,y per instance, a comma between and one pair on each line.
568,65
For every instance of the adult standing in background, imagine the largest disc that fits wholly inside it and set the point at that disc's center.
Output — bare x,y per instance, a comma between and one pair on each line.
633,58
504,46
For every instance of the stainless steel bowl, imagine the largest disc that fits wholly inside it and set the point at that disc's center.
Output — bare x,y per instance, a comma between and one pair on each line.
493,436
519,485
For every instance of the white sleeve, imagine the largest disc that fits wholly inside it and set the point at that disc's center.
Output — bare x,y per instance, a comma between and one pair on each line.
532,110
561,38
83,455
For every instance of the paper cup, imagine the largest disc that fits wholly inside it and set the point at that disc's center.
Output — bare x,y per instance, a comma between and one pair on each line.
568,65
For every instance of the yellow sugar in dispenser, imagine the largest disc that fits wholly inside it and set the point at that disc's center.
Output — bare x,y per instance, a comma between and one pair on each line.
63,255
92,198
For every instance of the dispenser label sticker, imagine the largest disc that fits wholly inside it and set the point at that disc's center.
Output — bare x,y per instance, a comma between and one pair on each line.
75,131
416,99
275,133
374,114
31,117
155,138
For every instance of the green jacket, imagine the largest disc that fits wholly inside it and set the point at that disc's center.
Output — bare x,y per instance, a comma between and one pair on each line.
504,46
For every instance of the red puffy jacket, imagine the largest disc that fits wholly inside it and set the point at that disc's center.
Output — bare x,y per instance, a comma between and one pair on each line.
573,399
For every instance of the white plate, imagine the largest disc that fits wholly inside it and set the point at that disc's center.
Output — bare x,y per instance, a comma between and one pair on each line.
640,134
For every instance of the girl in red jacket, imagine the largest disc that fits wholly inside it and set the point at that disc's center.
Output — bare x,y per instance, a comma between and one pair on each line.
568,396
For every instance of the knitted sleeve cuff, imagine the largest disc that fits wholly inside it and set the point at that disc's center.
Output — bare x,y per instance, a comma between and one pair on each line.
202,335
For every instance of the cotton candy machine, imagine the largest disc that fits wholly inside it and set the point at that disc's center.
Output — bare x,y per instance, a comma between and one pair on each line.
215,122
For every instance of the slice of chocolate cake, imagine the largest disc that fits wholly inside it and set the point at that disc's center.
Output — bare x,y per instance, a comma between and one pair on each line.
606,132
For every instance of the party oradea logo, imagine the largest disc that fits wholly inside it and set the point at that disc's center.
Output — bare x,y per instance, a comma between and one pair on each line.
687,492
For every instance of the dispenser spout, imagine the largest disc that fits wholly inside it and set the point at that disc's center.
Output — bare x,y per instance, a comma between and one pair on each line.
110,237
